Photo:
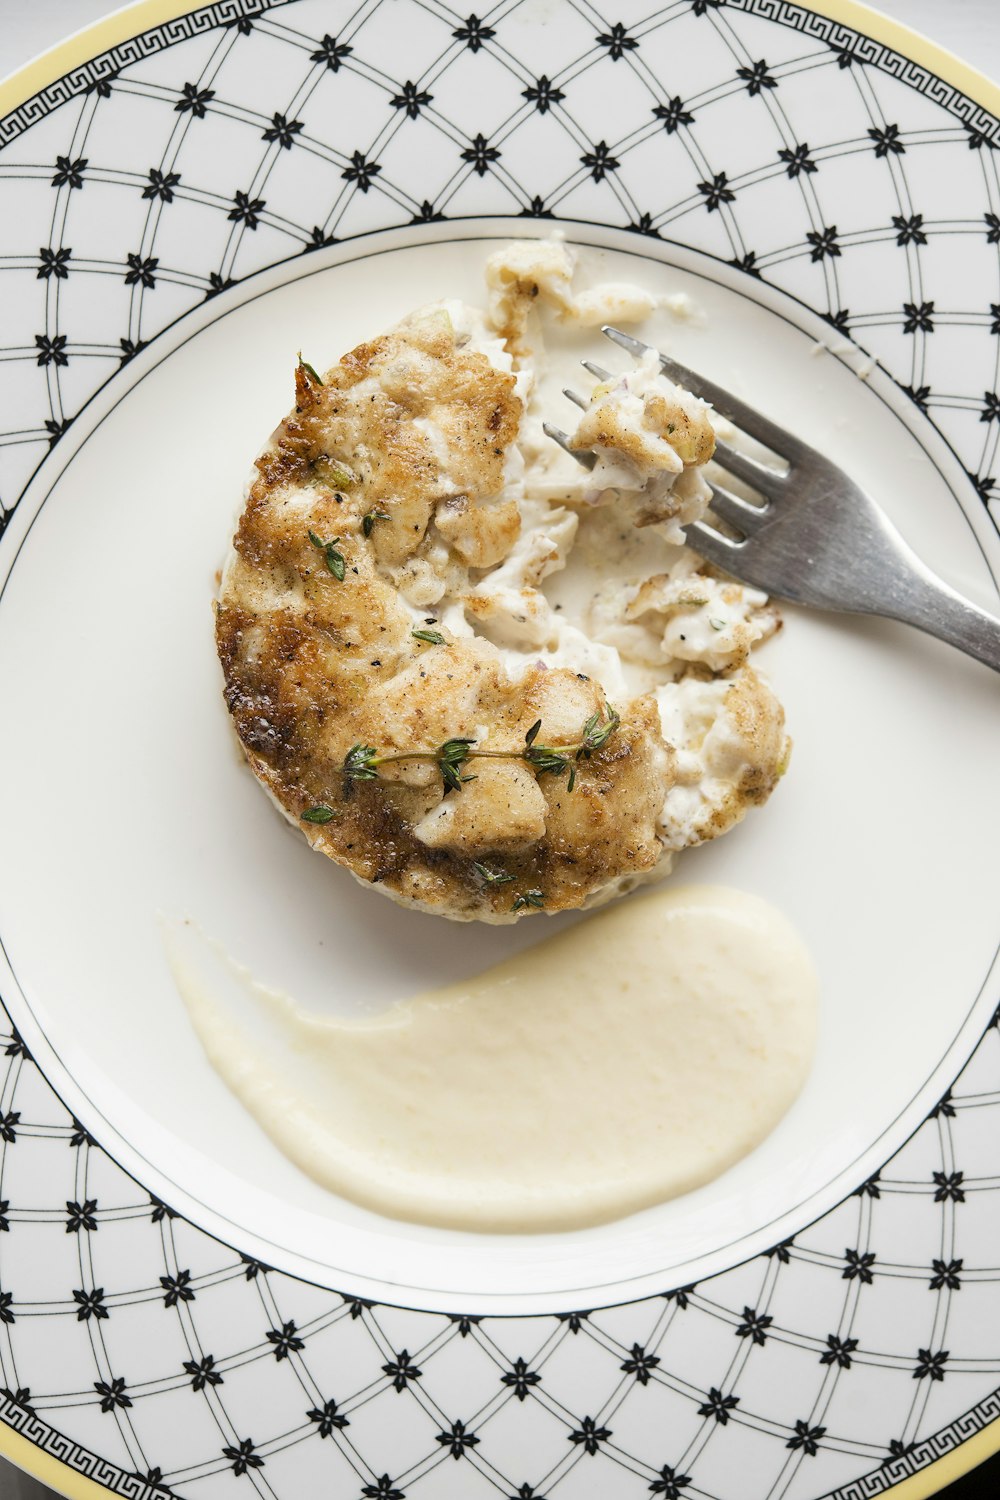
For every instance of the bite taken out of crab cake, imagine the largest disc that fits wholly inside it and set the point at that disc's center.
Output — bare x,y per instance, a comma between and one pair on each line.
400,678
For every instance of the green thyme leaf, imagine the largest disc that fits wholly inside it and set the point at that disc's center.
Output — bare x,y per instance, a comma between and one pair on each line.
528,898
547,760
597,733
305,365
532,734
451,758
717,624
361,764
491,877
318,814
432,637
370,517
334,560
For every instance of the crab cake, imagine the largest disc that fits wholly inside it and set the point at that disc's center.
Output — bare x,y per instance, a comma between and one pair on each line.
402,679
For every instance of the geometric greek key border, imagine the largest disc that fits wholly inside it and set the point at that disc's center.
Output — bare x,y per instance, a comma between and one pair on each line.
876,55
134,49
74,1455
224,12
132,1486
941,1443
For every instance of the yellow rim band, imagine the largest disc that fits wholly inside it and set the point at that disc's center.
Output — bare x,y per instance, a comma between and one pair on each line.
34,77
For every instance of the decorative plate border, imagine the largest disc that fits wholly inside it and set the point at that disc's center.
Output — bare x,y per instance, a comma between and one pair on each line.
835,30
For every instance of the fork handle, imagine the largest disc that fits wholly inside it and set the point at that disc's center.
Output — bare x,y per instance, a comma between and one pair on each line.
926,601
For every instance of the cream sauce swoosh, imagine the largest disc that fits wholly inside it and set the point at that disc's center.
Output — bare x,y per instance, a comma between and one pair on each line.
628,1059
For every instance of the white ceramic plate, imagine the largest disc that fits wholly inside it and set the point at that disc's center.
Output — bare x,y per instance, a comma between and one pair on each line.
177,218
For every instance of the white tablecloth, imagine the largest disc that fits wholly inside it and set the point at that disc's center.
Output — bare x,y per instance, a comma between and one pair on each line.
970,28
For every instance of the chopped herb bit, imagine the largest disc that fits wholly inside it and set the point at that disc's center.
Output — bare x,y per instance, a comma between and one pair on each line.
528,898
370,517
432,637
717,624
491,877
305,365
318,814
451,758
360,764
334,560
597,733
334,473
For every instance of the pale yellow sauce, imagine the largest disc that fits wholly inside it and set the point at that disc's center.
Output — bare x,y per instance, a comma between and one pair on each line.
626,1060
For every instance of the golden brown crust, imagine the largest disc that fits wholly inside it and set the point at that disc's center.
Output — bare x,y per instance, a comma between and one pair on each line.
314,665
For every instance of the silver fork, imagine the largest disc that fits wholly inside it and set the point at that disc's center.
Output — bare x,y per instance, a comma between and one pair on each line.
817,538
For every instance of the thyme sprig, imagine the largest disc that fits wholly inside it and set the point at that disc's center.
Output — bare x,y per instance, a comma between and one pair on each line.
362,762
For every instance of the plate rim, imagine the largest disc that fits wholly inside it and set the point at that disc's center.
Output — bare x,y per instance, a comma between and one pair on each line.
46,69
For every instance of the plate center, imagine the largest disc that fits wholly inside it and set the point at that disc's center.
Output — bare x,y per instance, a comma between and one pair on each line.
126,797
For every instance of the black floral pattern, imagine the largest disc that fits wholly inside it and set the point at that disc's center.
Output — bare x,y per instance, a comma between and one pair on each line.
203,1372
797,160
54,262
718,1406
282,131
674,114
716,191
617,41
543,94
520,1379
807,1438
754,1325
81,1216
757,77
640,1364
242,1456
195,101
838,1351
600,161
887,140
402,1369
112,1394
481,154
670,1483
161,185
930,1365
946,1274
331,53
589,1436
328,1419
285,1340
457,1440
247,210
474,33
918,318
859,1264
412,98
948,1185
69,173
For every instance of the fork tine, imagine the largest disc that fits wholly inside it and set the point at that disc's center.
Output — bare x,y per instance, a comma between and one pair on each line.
582,456
739,513
713,546
768,481
598,371
769,433
576,398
